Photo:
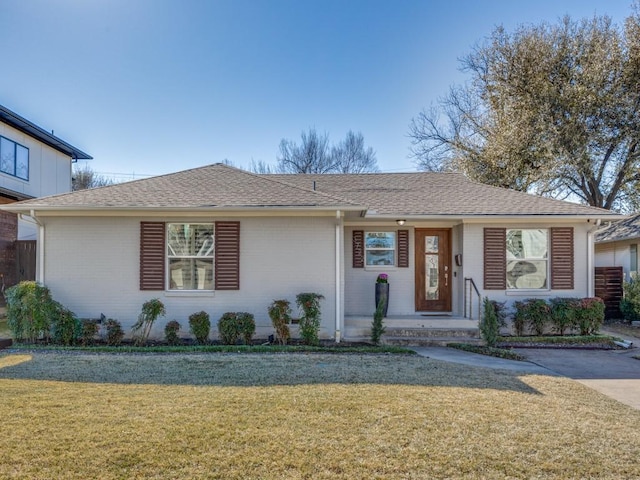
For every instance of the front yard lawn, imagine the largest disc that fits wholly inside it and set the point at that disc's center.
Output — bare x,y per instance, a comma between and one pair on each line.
238,416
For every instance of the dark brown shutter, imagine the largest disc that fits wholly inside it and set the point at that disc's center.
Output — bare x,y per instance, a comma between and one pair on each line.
562,258
495,259
358,248
403,248
227,255
152,255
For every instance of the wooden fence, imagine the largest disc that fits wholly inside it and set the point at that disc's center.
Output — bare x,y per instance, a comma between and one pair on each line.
608,286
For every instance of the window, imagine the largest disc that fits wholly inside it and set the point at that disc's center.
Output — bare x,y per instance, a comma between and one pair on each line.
527,259
380,248
14,159
190,251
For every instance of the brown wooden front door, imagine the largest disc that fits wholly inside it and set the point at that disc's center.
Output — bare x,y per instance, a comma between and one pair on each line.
433,269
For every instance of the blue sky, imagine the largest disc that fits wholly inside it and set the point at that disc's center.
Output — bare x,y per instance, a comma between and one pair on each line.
155,86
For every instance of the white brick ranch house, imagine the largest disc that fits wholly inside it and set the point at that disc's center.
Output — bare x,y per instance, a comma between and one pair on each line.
220,239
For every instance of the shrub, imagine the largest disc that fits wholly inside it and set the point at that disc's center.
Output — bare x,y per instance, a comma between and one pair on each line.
246,326
88,331
65,327
228,328
29,309
563,313
115,334
151,310
199,326
489,326
590,315
280,314
171,330
519,318
500,308
630,303
310,320
377,326
533,312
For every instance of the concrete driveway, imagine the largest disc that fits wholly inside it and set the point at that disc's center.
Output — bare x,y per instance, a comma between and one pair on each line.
611,372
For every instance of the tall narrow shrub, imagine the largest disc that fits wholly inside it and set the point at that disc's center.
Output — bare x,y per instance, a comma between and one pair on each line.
630,303
280,314
563,313
246,326
489,327
310,320
151,311
377,326
590,315
29,311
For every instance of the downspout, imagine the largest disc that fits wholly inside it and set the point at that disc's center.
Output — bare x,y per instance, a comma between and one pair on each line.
590,253
338,277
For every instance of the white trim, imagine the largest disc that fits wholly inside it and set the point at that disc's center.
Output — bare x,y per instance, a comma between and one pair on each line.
338,285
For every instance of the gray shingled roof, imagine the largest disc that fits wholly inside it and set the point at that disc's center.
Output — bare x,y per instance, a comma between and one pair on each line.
393,194
215,185
622,230
428,193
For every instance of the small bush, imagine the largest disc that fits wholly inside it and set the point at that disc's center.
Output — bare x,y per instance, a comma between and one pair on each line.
115,334
151,311
630,303
88,332
171,330
377,326
533,312
199,326
310,320
246,326
563,314
280,314
65,326
590,315
500,308
29,310
489,327
228,328
519,318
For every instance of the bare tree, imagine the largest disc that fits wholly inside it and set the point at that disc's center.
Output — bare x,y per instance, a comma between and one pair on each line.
351,156
260,167
550,109
314,155
84,178
311,156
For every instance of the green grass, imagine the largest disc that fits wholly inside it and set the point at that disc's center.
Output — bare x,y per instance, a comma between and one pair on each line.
220,349
71,415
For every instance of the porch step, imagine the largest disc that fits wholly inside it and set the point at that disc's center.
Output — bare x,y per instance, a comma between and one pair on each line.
428,341
432,332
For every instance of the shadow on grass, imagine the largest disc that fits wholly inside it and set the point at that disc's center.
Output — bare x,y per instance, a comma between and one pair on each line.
253,370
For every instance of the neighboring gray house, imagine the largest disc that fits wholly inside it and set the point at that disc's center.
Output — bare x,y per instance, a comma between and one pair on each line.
220,239
617,246
33,163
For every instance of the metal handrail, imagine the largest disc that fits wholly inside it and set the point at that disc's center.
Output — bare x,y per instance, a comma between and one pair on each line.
469,306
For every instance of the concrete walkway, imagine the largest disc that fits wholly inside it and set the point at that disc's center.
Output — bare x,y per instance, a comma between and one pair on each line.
611,372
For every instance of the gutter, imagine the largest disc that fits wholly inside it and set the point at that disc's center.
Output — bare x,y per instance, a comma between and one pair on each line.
338,277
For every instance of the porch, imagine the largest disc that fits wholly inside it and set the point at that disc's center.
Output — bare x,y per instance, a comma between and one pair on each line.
417,329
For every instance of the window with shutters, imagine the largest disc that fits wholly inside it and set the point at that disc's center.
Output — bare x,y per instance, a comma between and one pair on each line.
190,252
380,248
527,258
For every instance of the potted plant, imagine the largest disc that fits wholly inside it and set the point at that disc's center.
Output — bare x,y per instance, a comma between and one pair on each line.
382,292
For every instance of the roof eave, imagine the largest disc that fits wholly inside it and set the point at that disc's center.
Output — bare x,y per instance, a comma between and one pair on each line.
18,208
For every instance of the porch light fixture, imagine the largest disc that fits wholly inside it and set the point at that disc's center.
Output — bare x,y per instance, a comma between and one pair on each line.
400,222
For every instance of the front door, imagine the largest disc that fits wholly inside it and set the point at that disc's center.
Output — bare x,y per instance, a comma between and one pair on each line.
433,269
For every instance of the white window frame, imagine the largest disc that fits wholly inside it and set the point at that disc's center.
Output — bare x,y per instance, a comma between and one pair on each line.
207,250
525,259
393,249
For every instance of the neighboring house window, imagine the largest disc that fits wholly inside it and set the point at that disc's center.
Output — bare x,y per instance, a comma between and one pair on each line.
199,256
527,258
190,251
14,159
380,248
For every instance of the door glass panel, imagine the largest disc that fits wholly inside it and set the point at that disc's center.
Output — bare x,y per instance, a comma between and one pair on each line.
431,244
431,274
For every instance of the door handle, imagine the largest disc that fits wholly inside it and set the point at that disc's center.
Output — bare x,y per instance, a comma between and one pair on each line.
446,279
